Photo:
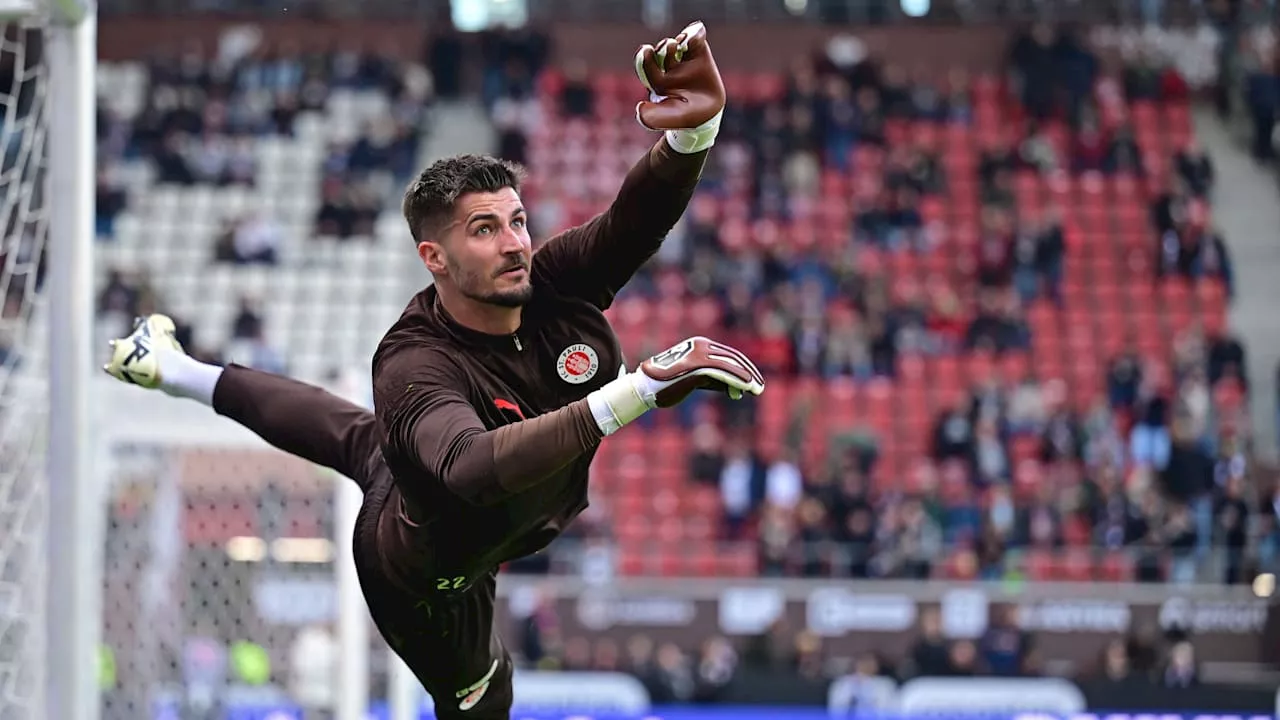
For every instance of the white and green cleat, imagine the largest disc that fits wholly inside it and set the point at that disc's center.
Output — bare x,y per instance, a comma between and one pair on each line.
135,359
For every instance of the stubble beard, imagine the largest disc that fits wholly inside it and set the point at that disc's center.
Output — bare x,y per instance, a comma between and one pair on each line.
471,284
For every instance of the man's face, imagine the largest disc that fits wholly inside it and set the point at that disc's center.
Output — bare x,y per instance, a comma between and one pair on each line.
485,251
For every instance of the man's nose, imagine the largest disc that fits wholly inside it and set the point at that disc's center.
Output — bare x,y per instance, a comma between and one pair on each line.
511,241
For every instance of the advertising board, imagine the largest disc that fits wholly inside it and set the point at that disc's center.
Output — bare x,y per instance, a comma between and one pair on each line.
1070,624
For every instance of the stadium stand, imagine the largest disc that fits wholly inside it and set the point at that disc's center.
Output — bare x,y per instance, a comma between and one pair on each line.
937,274
247,193
992,309
948,270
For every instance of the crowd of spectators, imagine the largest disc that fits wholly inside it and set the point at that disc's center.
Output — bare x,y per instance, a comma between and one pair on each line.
1155,467
199,119
708,673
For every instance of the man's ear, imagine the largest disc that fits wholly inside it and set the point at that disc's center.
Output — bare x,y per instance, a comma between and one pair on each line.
433,257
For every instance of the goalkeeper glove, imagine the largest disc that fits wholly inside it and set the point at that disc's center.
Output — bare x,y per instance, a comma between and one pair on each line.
686,93
667,378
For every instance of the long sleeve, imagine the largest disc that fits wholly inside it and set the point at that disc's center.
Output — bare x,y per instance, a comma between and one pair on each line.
429,425
594,260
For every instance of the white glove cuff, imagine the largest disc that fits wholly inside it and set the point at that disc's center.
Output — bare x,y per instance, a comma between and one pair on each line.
689,142
622,401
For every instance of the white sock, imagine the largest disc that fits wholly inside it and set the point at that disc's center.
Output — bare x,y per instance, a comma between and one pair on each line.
184,376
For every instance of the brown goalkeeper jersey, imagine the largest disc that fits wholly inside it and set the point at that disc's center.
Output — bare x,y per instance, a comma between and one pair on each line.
489,438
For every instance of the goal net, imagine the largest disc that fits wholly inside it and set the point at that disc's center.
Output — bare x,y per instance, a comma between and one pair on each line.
221,591
23,377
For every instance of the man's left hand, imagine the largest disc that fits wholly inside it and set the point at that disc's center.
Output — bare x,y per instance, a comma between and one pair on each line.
685,89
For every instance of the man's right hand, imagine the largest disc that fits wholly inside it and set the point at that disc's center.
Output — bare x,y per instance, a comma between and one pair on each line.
667,378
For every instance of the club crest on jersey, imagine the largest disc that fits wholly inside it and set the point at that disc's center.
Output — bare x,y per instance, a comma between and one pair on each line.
578,364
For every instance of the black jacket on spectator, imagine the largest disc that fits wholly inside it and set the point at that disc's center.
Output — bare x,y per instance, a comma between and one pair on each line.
1189,473
1225,352
1196,170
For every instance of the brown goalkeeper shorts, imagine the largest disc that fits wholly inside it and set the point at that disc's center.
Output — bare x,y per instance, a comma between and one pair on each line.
449,642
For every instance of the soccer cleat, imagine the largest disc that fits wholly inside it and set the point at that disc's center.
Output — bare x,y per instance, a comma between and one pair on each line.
134,359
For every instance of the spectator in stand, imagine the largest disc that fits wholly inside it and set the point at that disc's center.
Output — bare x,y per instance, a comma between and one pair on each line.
990,463
706,461
1091,148
784,484
251,240
1124,377
997,157
928,657
119,296
953,436
857,535
998,325
742,486
1226,359
964,660
1115,666
946,320
1045,256
1170,209
1182,670
577,97
673,680
1195,168
171,167
255,352
1123,153
1180,536
1263,98
1233,521
716,669
248,322
1141,77
807,659
1039,524
1005,646
1149,441
110,202
1033,69
1062,439
1193,250
1269,530
775,538
811,551
1038,152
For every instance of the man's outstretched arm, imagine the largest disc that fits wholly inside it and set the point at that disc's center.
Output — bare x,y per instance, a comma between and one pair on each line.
427,423
594,260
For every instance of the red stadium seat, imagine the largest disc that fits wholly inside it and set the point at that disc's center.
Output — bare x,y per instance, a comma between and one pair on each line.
1111,301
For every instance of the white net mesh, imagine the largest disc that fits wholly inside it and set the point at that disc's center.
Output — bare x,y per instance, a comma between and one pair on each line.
23,396
220,594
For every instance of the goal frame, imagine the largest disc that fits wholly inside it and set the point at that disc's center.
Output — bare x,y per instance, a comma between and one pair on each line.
73,607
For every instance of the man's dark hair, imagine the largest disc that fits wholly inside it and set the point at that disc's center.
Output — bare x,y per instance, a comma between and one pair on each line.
430,198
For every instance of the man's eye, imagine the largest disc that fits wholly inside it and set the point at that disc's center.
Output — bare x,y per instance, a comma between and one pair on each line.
517,223
484,230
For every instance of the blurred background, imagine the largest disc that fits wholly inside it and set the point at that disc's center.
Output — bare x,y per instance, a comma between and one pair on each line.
1007,264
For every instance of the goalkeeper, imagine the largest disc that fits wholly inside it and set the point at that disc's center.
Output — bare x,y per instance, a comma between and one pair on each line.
494,389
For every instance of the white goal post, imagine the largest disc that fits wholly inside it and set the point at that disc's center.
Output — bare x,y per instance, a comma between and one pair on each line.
73,609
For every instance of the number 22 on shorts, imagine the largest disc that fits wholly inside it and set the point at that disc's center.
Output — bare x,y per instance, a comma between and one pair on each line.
455,583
